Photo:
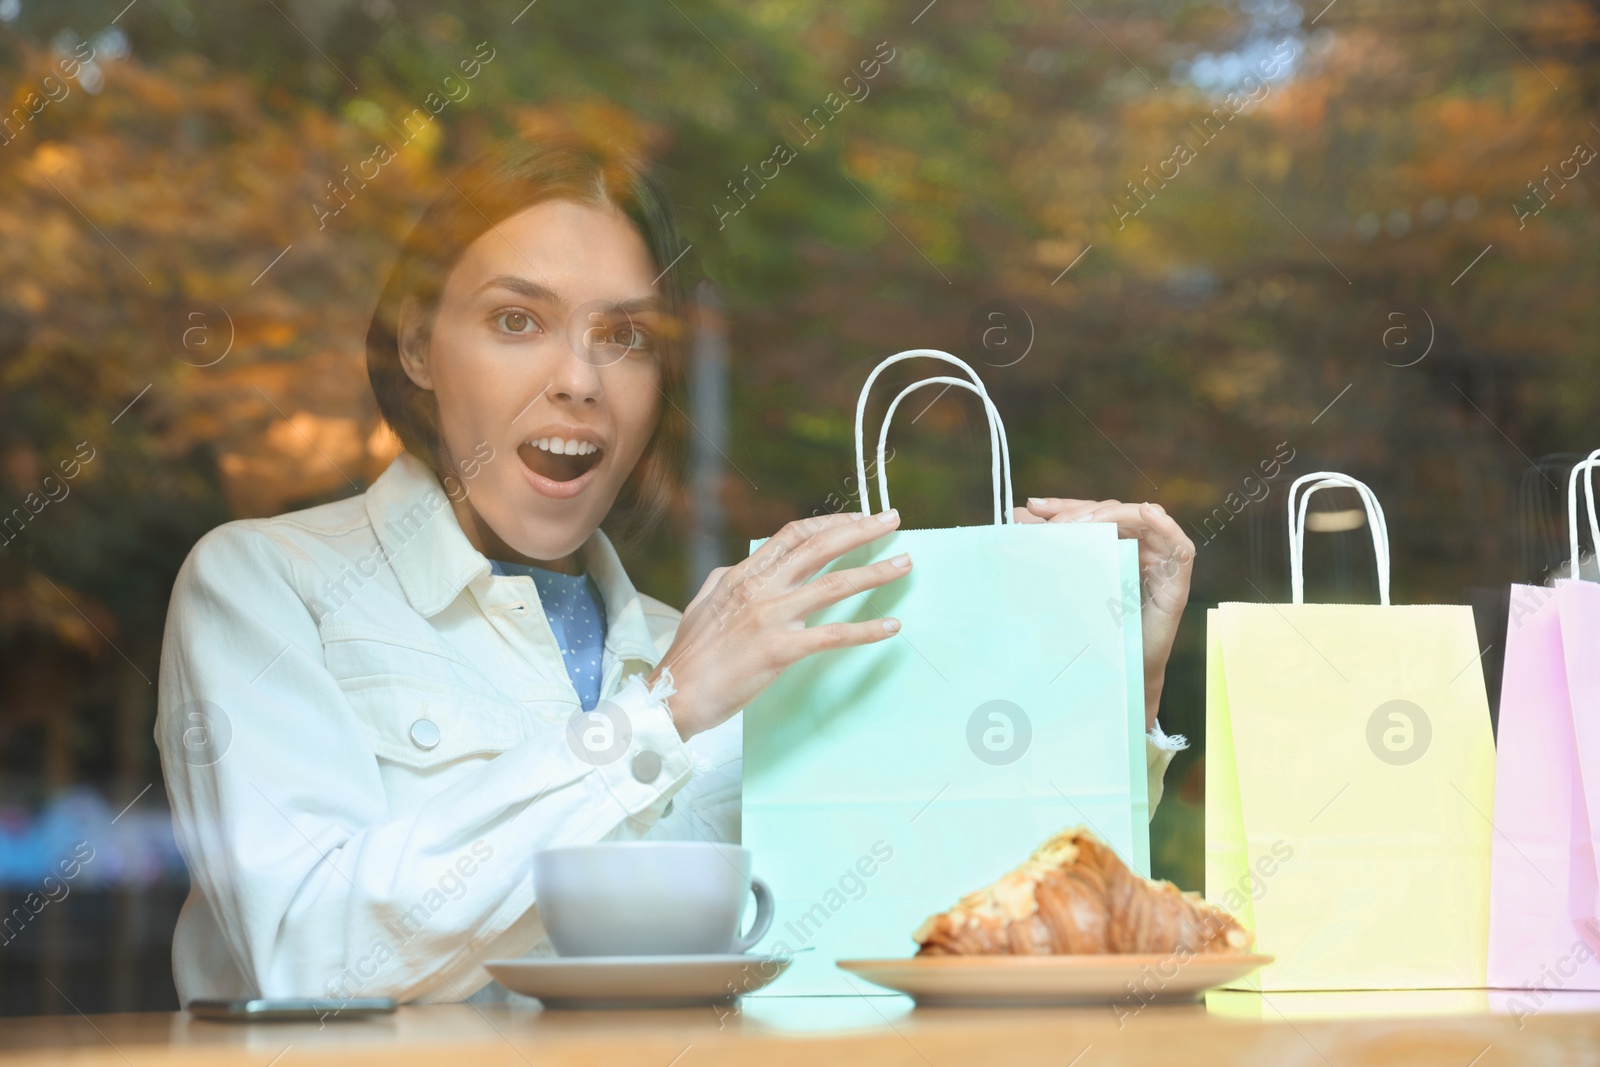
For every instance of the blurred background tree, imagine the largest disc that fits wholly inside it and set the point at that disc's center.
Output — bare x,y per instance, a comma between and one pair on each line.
1381,259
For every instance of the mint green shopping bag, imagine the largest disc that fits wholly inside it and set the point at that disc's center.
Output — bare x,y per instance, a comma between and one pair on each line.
882,783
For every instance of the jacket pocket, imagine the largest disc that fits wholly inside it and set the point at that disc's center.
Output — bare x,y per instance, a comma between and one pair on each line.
353,651
422,723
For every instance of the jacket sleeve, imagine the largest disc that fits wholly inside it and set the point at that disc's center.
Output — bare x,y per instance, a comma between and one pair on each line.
1159,748
282,815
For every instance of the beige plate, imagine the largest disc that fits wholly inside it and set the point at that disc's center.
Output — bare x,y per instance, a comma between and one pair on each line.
1054,979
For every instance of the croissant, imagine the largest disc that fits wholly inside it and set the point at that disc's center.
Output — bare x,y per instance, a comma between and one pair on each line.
1074,896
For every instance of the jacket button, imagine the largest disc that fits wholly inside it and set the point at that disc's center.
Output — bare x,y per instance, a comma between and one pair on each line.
425,733
646,767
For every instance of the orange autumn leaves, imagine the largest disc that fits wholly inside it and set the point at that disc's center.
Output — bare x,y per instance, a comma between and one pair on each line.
140,223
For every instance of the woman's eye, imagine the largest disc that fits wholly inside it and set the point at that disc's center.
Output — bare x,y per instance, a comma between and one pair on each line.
515,322
631,338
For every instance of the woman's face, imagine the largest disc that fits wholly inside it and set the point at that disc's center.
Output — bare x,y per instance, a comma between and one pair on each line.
544,358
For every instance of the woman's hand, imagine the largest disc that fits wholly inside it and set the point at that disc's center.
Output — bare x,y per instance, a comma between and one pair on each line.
748,622
1166,557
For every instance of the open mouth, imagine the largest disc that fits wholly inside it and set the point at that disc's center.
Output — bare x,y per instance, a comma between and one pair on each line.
558,460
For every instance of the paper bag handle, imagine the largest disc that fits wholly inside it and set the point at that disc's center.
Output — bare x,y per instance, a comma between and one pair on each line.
994,427
1584,470
999,448
1297,530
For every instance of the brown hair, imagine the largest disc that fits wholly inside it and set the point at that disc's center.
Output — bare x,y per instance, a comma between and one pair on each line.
505,180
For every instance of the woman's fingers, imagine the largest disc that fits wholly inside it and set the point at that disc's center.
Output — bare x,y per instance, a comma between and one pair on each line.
1130,523
814,639
783,544
834,586
1166,538
1161,540
795,553
828,545
1048,507
1166,558
1165,553
1090,511
758,571
1164,541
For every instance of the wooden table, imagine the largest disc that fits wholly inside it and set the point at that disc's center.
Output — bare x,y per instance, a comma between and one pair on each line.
1451,1029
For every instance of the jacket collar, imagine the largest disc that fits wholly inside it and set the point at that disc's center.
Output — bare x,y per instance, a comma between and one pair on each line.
628,633
421,539
433,561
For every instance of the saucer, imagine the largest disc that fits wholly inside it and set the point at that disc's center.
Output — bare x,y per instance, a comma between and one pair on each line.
1041,980
637,981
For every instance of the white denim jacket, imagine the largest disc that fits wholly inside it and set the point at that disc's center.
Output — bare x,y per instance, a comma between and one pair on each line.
365,736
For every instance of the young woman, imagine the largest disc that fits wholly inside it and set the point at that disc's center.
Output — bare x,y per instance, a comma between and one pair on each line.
374,712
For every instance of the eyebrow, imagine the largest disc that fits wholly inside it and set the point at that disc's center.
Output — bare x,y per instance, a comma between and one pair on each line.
534,291
531,290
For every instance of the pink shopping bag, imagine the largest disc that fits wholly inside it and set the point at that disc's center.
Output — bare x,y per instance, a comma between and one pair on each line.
1544,892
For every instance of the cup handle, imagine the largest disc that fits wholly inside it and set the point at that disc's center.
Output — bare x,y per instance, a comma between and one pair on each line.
763,919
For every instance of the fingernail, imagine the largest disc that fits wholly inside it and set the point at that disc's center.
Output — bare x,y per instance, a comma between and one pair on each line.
889,516
891,625
1032,500
1156,508
902,560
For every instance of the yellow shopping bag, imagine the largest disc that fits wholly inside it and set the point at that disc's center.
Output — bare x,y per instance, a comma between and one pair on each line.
1350,782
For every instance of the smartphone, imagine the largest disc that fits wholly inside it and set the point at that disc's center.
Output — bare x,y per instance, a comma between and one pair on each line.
291,1008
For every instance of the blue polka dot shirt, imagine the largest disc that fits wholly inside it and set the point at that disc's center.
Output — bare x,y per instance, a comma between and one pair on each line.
577,616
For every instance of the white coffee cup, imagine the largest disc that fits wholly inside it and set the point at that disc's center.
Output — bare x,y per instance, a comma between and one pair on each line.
648,898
